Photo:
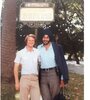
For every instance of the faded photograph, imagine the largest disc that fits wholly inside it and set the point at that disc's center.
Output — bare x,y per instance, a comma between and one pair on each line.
42,49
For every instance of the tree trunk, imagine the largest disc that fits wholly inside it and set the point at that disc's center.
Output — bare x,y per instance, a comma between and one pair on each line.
8,49
76,58
69,56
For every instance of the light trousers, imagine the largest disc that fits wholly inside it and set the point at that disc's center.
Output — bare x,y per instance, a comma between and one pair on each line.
29,86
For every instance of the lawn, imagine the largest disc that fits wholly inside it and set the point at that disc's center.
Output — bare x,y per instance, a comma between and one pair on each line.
75,88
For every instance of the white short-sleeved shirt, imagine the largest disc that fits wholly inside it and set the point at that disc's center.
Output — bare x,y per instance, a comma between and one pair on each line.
28,61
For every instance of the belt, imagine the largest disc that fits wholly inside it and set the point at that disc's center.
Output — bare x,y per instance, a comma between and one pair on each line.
48,69
29,75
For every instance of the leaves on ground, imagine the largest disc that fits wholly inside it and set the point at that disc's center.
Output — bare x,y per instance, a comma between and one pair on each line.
75,88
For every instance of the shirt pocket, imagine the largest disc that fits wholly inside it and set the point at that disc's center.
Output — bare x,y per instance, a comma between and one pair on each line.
24,60
35,59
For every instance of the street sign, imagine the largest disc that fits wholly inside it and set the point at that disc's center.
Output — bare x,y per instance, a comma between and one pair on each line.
36,14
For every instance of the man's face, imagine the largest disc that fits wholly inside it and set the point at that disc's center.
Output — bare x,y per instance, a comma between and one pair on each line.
30,41
46,39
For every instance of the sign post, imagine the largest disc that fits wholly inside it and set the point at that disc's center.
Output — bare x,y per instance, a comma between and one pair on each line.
36,14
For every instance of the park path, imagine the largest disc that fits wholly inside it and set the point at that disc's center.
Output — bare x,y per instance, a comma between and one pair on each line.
76,68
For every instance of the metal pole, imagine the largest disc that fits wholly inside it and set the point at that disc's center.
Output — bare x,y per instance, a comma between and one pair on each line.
36,31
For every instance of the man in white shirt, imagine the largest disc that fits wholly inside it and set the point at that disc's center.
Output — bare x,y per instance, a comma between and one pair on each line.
27,59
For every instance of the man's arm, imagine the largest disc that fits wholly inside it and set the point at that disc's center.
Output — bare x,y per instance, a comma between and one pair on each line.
16,70
64,66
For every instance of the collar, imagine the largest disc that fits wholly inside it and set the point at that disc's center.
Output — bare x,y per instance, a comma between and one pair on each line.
28,50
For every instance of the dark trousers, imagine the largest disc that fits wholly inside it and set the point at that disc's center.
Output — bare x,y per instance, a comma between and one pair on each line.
49,84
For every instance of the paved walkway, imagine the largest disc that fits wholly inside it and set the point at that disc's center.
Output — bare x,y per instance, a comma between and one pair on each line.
76,68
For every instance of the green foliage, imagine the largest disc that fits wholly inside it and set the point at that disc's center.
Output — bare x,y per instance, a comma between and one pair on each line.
69,25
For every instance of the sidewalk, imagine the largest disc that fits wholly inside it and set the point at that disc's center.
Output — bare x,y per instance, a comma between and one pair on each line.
76,68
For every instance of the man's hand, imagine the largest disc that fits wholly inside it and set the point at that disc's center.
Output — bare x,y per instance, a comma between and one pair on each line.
17,86
61,84
16,69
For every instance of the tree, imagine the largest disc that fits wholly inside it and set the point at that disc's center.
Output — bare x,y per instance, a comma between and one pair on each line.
8,49
68,26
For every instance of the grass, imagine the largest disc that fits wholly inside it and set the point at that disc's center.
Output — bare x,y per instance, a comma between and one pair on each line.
75,88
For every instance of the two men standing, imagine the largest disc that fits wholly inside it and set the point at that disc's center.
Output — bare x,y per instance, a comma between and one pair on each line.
53,69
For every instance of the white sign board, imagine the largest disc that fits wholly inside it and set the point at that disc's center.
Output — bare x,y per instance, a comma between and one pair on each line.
37,14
